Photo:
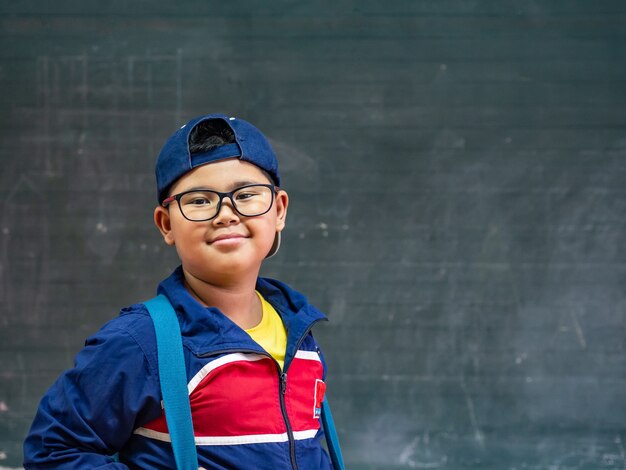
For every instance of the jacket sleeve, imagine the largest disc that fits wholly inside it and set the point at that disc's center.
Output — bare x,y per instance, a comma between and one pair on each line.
92,409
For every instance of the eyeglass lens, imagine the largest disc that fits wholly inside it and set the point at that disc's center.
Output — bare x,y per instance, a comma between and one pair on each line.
248,201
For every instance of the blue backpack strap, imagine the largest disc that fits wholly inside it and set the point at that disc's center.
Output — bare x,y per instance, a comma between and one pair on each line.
331,437
173,378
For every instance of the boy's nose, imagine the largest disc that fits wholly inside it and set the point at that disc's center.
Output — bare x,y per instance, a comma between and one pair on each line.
227,213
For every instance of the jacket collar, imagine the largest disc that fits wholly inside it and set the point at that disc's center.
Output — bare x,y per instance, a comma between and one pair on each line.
207,330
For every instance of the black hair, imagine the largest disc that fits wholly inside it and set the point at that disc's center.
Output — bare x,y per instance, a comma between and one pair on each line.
214,133
210,134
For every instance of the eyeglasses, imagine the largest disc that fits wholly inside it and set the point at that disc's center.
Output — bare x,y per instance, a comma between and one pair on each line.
199,205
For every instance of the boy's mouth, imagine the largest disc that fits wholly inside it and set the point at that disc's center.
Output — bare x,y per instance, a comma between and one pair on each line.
227,238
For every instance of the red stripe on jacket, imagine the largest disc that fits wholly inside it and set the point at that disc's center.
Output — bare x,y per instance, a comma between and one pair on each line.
238,395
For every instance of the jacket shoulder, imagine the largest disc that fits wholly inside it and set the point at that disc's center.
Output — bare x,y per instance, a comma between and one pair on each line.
134,325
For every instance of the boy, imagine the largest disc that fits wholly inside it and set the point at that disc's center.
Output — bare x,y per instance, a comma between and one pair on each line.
255,374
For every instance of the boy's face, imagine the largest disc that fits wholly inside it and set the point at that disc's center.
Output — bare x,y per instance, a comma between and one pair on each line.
230,245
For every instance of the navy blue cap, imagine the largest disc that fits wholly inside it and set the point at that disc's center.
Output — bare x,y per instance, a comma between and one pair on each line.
175,159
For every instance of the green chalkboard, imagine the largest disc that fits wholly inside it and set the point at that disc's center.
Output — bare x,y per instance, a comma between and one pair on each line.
456,171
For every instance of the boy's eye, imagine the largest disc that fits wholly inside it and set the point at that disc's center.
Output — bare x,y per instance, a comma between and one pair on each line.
199,201
196,199
246,195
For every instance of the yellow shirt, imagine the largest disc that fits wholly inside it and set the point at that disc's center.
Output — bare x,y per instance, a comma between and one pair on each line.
270,333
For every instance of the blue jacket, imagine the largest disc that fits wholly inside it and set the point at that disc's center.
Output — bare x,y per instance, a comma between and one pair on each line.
247,413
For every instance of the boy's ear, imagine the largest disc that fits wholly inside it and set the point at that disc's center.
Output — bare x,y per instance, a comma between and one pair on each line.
163,222
282,201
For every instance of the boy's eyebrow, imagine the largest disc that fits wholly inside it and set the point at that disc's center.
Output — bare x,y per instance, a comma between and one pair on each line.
236,184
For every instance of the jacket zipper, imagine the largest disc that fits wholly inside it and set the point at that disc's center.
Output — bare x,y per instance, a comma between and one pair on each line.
283,406
282,385
283,409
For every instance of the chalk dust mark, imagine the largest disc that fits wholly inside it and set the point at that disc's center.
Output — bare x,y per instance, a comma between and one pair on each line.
408,451
579,331
179,85
84,96
149,83
478,434
37,250
620,447
407,456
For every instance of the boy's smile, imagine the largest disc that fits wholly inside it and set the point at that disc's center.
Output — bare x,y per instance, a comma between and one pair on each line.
230,245
227,239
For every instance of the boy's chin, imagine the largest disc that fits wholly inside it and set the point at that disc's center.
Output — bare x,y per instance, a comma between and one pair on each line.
218,272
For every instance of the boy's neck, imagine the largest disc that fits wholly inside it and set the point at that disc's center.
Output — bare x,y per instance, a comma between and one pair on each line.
237,300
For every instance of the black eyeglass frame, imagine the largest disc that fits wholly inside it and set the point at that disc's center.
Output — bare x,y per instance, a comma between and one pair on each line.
229,195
